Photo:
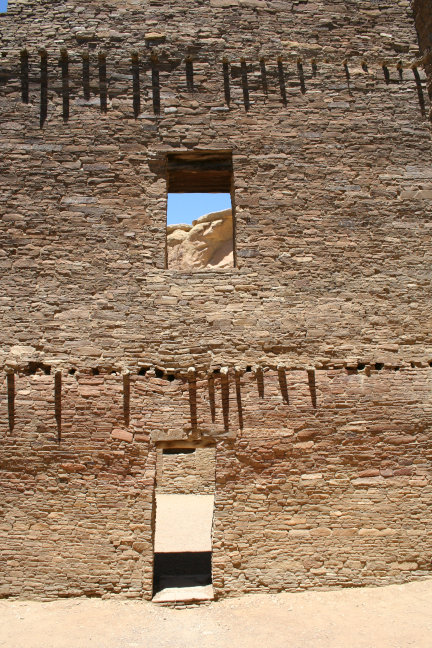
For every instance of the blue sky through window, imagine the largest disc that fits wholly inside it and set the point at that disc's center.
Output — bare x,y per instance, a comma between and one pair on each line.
3,6
186,207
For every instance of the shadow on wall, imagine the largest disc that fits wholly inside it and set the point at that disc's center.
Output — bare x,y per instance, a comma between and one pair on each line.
208,242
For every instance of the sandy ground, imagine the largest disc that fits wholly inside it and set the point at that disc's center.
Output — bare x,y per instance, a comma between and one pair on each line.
397,616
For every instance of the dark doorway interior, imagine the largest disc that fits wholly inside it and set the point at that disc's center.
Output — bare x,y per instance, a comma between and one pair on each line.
185,569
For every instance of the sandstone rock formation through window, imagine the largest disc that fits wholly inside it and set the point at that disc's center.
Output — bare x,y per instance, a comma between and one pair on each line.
206,241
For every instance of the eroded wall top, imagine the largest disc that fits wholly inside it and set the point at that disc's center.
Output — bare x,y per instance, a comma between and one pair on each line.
248,28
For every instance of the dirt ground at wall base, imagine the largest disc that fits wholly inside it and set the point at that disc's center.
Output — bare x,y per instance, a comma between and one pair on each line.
397,616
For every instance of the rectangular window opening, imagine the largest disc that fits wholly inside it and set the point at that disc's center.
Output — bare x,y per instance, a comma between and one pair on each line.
200,211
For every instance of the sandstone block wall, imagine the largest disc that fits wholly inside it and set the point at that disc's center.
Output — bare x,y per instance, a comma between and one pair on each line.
76,513
307,365
332,189
187,474
318,482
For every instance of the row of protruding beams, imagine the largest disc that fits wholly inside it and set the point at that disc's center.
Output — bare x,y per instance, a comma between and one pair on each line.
227,376
190,379
137,64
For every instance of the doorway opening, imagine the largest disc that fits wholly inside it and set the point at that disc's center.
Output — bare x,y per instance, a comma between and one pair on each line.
185,479
182,571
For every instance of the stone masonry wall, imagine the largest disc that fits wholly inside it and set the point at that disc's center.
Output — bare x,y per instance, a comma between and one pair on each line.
332,192
243,27
338,497
327,474
307,365
76,514
186,474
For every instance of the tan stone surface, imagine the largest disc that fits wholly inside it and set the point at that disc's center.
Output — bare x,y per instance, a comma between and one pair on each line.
331,187
184,594
308,366
322,482
186,473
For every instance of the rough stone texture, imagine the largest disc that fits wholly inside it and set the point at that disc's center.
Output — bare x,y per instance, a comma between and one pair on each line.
307,364
186,473
332,191
208,242
331,479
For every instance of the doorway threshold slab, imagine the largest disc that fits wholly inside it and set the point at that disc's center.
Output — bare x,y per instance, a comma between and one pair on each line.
184,594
